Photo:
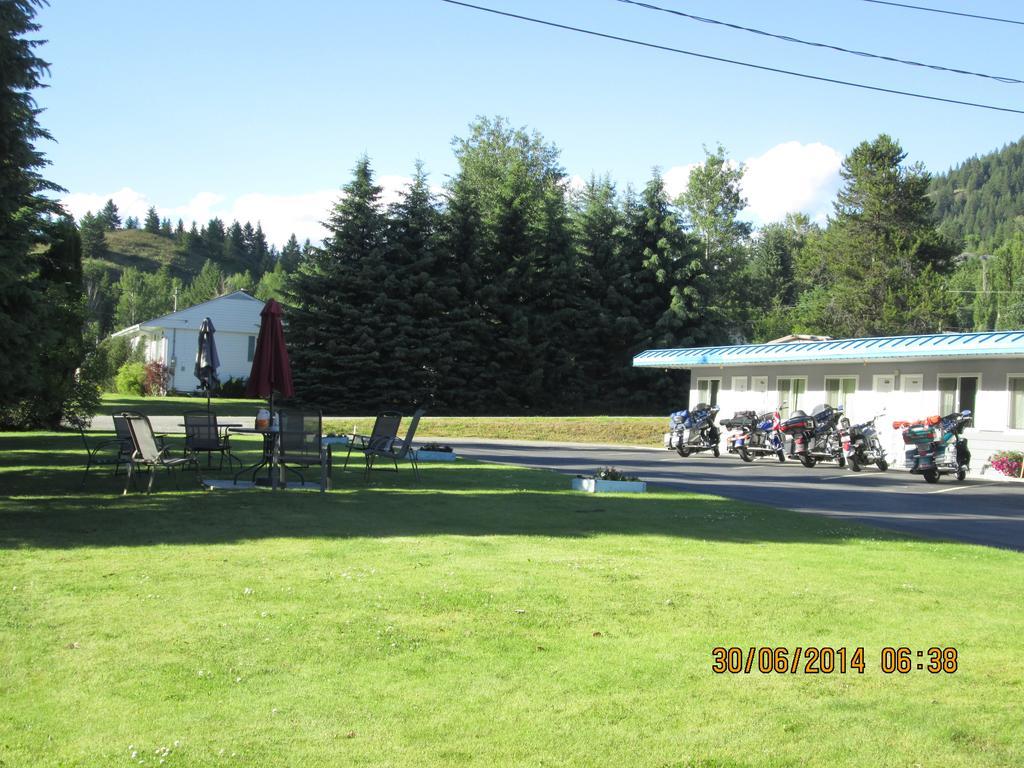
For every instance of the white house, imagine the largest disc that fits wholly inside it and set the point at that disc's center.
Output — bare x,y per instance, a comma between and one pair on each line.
907,377
174,339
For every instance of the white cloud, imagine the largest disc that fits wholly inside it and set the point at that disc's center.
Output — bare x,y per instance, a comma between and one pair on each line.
792,177
677,179
789,177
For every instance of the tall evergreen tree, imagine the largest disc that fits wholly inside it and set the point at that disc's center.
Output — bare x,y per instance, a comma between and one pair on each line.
110,215
24,206
152,223
334,328
131,223
93,236
208,284
885,261
291,254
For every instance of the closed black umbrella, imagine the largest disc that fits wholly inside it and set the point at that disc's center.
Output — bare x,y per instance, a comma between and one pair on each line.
207,359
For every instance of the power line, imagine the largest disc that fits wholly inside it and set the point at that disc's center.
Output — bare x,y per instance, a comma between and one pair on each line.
949,13
813,44
732,61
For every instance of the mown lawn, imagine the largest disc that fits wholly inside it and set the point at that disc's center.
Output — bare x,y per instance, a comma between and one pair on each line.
485,616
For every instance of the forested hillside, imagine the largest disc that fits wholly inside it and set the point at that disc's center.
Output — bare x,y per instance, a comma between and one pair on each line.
981,201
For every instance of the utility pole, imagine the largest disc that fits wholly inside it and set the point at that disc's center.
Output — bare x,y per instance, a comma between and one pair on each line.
175,298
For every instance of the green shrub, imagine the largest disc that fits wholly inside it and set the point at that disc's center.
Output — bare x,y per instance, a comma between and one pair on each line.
232,388
131,379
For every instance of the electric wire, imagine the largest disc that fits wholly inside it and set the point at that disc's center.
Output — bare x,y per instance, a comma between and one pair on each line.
720,59
949,13
789,39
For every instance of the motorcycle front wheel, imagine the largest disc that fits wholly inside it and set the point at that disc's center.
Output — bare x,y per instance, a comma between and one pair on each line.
683,451
808,461
715,452
931,475
961,474
853,464
882,465
744,454
782,457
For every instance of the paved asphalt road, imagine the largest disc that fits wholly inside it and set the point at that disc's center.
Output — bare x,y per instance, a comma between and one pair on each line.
977,511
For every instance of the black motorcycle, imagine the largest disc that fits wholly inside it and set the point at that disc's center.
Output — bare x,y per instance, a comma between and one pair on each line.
816,437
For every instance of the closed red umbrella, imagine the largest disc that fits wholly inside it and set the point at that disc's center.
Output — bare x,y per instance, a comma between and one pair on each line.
271,369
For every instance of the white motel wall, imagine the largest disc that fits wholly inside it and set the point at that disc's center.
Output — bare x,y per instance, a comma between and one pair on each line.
173,339
933,375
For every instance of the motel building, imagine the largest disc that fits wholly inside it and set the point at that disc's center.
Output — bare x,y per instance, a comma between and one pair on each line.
904,377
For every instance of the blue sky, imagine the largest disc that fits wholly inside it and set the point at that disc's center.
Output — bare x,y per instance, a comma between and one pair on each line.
259,109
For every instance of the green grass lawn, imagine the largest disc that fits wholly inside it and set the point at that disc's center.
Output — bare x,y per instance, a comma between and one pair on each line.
484,616
177,405
620,430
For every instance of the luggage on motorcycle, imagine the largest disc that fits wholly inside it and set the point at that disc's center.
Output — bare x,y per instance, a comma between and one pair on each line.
798,421
740,420
918,434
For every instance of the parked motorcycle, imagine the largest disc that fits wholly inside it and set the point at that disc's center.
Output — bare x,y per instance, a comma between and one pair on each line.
816,437
861,445
693,431
939,446
755,435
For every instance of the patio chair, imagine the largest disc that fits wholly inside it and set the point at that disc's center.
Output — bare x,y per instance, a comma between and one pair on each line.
147,452
301,443
110,452
203,435
383,434
399,449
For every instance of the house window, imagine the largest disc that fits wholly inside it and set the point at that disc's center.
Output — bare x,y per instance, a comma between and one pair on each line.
790,391
739,383
707,391
912,382
1016,386
252,348
759,384
838,389
957,393
885,382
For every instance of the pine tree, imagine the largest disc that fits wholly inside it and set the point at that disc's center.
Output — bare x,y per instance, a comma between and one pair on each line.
234,246
24,207
291,254
260,252
93,236
165,227
208,284
152,221
110,215
335,328
131,223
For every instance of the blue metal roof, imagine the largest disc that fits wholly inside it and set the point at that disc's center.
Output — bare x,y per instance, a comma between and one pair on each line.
936,346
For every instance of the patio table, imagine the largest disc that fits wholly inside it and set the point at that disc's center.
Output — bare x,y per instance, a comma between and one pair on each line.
270,451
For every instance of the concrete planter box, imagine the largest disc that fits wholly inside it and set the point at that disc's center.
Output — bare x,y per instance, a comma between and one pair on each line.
593,485
422,455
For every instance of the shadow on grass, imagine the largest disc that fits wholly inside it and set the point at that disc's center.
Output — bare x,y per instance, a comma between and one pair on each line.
44,504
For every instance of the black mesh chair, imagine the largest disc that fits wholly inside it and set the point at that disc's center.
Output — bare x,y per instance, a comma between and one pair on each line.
301,443
108,452
148,452
383,434
399,449
203,435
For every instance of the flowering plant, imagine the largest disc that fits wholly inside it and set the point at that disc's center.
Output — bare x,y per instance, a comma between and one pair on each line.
1008,463
611,473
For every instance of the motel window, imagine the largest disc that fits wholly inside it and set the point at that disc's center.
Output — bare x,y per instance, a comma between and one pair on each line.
739,383
885,382
790,391
707,390
759,384
1016,387
957,393
912,382
838,389
252,348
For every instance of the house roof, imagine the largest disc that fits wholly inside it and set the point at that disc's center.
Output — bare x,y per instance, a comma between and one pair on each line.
231,312
938,346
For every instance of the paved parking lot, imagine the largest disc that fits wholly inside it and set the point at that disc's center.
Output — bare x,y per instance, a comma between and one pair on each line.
978,511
